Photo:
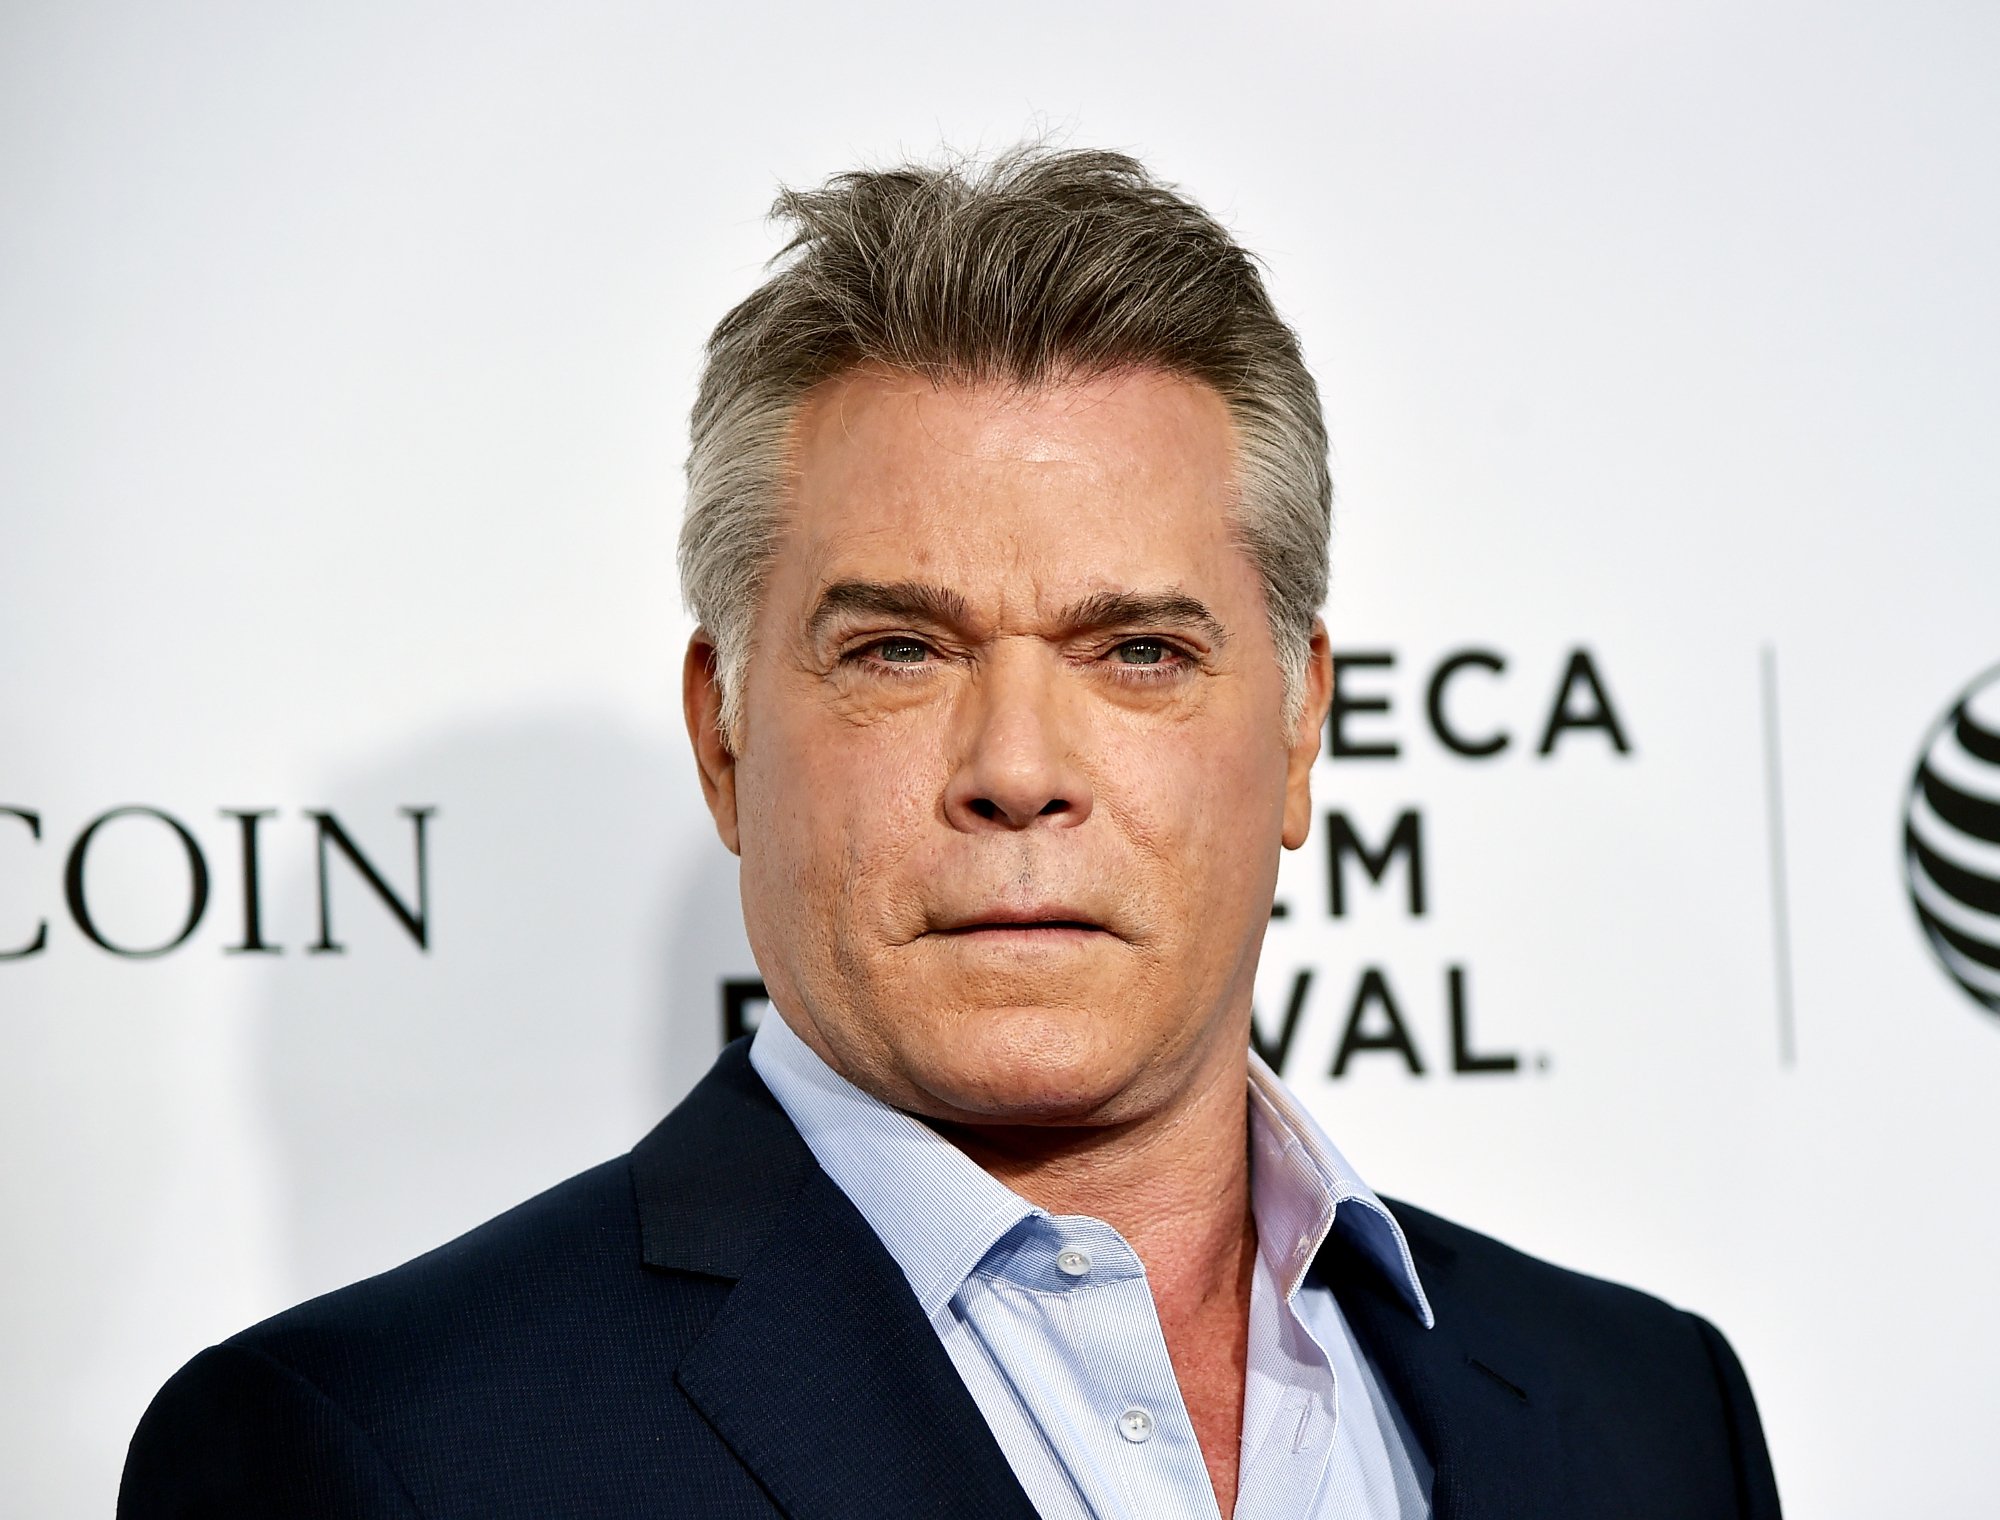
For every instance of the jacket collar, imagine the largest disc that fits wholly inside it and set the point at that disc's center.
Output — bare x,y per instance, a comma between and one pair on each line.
1477,1396
715,1179
819,1370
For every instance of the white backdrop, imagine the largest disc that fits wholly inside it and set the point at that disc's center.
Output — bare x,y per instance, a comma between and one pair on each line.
346,351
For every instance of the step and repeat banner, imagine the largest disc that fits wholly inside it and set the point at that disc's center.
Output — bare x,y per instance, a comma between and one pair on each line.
354,880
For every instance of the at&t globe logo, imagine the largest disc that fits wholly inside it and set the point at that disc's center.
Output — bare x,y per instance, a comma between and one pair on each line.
1951,840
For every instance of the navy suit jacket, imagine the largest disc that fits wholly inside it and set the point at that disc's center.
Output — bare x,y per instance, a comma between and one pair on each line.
707,1327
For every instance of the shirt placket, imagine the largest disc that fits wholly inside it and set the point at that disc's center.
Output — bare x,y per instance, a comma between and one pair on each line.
1110,1407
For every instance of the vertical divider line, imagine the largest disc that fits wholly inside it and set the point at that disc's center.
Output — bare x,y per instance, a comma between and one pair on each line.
1774,815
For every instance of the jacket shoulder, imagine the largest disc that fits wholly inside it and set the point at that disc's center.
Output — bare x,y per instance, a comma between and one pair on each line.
1641,1383
1579,1326
576,1276
525,1368
539,1258
1490,1270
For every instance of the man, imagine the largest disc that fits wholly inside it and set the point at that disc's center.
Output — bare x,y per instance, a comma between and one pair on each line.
1007,534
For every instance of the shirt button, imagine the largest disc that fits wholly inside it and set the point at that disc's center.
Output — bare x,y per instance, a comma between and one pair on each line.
1072,1262
1136,1426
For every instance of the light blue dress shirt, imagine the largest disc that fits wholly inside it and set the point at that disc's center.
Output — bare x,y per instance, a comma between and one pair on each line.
1050,1321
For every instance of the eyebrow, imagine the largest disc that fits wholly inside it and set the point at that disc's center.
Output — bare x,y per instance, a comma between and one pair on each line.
897,599
943,607
1151,609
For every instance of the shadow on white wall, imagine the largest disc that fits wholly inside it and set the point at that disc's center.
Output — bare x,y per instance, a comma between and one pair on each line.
581,916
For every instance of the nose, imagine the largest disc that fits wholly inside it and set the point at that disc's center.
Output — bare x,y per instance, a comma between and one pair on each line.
1017,767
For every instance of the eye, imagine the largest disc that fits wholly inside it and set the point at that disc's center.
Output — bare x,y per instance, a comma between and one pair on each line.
1143,652
899,651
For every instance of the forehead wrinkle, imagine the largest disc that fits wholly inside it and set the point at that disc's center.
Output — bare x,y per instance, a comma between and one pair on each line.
910,510
1003,430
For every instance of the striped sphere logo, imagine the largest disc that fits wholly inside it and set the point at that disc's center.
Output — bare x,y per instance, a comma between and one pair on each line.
1951,841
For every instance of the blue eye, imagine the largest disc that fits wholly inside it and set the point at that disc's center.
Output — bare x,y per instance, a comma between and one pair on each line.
901,652
1142,652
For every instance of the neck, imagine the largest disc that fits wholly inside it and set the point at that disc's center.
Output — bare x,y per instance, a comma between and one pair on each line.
1175,1184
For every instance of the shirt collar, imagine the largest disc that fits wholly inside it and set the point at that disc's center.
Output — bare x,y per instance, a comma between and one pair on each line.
1303,1189
939,1214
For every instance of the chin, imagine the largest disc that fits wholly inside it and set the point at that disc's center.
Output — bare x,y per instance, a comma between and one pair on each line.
1032,1065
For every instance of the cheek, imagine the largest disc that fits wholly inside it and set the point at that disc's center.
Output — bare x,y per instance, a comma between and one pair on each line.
1197,802
827,815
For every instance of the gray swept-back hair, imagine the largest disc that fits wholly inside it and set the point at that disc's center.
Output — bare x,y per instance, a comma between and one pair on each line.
1042,265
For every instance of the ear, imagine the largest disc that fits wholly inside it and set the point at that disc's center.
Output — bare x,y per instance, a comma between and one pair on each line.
701,704
1305,738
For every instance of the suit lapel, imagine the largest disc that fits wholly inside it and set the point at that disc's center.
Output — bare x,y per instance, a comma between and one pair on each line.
823,1376
1475,1398
819,1371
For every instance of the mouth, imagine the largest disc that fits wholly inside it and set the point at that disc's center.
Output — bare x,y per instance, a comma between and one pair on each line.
1026,925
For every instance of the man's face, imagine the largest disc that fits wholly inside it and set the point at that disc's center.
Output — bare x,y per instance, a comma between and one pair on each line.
1013,771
